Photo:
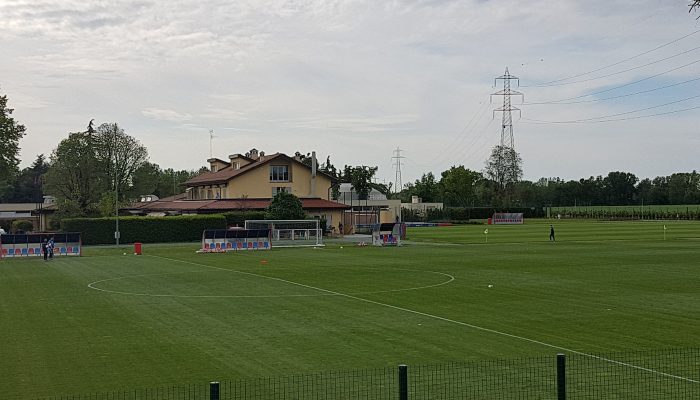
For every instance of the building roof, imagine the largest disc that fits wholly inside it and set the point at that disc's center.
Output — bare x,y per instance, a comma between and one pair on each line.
19,207
222,205
347,192
225,175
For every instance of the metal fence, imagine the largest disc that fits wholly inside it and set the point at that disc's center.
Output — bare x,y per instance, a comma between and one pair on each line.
659,374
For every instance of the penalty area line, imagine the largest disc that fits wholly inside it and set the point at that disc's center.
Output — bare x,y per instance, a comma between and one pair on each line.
444,319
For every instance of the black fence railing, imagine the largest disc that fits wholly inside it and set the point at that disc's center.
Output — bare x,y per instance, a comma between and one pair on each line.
659,374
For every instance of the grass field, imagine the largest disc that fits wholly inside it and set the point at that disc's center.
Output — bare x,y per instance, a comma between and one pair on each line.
108,320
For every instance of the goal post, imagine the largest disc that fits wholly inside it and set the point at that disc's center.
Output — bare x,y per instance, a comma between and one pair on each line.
291,233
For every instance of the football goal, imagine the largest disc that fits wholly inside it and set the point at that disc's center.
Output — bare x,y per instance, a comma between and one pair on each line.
291,233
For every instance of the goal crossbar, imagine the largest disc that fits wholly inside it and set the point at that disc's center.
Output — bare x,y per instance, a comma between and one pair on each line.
291,233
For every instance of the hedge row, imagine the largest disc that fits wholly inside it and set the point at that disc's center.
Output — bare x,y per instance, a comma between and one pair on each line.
185,228
629,214
468,213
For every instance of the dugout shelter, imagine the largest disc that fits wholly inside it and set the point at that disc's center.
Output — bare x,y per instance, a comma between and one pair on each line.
506,219
224,240
388,234
29,245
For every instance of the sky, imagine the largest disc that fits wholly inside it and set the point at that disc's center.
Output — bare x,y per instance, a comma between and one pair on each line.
355,80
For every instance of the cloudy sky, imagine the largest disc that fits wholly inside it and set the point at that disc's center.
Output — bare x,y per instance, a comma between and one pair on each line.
608,84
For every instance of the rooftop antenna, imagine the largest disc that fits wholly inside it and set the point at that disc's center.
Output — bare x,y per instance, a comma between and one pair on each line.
211,141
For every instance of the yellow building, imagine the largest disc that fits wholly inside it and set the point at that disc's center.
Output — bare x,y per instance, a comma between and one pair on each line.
256,175
249,182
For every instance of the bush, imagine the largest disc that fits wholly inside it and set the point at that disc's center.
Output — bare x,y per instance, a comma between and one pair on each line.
22,225
185,228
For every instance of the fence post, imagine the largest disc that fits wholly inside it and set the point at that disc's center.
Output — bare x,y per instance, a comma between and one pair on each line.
213,390
561,376
403,382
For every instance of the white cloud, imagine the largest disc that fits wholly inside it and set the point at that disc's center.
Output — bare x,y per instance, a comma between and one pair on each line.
166,115
352,79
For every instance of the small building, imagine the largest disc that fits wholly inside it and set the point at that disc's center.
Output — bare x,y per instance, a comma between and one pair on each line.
376,209
421,208
38,213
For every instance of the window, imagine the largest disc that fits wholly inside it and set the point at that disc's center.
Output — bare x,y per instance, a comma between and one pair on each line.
279,173
278,189
236,165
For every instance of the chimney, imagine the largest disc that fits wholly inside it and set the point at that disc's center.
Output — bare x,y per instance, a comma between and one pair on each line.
415,199
313,174
253,154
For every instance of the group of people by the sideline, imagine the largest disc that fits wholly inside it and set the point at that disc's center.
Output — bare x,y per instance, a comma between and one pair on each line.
47,247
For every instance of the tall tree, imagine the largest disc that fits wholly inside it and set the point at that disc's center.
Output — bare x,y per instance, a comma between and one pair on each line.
329,169
619,188
87,166
146,180
76,176
458,185
120,155
427,188
694,5
504,166
28,187
10,134
360,178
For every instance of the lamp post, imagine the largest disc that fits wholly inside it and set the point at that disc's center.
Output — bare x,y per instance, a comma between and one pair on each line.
116,192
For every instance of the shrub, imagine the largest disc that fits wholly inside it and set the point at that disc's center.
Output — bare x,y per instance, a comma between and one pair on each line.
22,225
185,228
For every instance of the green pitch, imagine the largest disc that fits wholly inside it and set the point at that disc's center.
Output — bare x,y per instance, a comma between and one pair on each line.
107,320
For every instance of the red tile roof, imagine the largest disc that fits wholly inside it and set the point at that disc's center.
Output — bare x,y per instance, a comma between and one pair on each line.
225,175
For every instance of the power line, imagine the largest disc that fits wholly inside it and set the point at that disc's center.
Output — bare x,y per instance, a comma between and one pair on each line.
626,70
606,118
529,121
460,141
475,119
621,86
550,83
614,97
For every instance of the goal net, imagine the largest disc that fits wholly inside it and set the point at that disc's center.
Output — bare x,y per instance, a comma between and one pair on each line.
290,233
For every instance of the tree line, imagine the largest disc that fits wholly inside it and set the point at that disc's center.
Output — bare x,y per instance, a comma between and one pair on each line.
90,172
93,171
461,187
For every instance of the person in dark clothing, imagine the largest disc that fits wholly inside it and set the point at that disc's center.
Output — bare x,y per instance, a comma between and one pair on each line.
45,249
50,248
551,233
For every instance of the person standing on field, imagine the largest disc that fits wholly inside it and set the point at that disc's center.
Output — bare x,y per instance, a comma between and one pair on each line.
50,247
45,249
551,233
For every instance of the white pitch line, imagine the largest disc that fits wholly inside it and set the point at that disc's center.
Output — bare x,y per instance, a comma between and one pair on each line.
476,327
93,285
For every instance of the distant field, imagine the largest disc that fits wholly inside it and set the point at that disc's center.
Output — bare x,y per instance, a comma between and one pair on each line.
107,320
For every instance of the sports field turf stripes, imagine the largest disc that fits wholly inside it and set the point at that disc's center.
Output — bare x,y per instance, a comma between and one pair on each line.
437,317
